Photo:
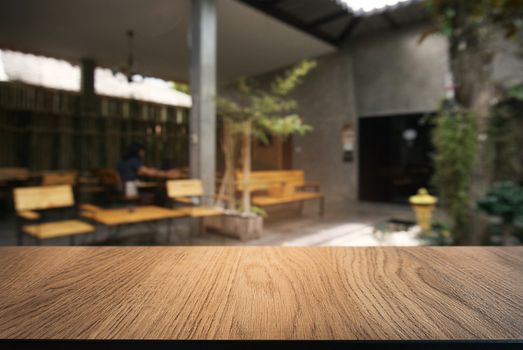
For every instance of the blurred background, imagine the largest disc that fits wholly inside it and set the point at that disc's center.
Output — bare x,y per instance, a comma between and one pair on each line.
261,122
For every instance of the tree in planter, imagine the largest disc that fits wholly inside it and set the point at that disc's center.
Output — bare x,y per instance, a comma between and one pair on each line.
472,28
455,142
253,111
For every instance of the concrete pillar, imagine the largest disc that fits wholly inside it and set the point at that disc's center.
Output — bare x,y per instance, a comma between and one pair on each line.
87,85
88,158
203,92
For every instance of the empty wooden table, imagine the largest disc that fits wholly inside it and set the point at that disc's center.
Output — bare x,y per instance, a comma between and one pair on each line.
247,293
116,218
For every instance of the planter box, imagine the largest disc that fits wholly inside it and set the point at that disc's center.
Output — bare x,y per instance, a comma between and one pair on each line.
234,225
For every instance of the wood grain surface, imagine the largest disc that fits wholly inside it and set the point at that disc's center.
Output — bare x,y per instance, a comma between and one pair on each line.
261,293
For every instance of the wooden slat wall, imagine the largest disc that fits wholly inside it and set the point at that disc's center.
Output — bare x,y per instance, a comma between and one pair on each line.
44,129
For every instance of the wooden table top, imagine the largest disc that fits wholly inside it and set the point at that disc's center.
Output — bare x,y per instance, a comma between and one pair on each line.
123,216
261,293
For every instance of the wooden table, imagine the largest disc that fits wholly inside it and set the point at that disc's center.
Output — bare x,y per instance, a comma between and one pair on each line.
117,218
134,214
213,293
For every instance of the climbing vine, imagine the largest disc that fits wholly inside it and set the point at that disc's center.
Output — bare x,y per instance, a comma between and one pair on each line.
455,138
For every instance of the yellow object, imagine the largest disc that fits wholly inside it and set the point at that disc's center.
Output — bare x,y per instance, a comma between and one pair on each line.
423,205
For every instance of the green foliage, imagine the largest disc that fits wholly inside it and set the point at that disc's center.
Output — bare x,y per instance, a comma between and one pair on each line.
285,126
254,210
439,234
292,78
455,141
516,92
461,17
180,87
270,109
503,143
472,28
504,200
497,234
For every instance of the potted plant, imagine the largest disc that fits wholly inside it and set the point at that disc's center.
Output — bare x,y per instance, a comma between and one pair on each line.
253,111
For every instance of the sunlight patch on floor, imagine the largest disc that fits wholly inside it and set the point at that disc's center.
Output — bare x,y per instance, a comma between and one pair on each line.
357,235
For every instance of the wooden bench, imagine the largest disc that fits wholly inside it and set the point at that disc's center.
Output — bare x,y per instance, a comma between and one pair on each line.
275,187
29,201
190,194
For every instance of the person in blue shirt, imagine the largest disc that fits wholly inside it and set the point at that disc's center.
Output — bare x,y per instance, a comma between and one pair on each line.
131,167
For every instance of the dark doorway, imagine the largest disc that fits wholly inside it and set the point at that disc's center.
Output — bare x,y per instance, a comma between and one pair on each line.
394,157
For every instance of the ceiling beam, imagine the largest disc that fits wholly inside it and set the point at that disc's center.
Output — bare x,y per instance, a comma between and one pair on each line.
349,28
328,18
391,21
285,17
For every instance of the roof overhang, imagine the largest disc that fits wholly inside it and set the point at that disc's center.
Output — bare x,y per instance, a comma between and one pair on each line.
253,36
249,41
336,21
326,20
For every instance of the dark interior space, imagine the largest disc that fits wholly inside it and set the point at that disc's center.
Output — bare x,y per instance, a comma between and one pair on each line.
395,157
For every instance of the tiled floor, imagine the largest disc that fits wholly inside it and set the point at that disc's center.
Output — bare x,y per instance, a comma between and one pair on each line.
345,223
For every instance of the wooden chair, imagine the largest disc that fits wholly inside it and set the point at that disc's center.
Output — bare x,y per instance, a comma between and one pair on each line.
90,185
189,193
114,187
277,187
110,179
29,201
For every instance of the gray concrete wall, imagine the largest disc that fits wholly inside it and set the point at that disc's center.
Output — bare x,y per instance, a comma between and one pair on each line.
394,73
326,101
386,73
508,63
